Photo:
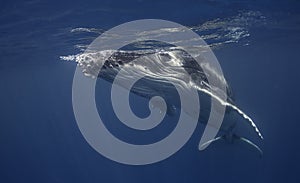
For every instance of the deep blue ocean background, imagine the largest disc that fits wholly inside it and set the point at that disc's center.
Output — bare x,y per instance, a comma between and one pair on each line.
39,137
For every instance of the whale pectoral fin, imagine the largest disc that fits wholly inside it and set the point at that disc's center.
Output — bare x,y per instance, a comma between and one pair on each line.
211,141
235,138
250,143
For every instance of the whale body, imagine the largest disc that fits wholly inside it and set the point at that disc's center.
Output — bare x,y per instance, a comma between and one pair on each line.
161,65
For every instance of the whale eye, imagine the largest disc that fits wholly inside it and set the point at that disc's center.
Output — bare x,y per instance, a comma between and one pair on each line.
114,64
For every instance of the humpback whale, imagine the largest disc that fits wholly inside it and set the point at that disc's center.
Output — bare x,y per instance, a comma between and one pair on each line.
161,65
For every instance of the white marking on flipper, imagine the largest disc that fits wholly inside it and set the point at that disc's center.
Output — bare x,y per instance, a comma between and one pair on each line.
210,141
245,116
252,144
237,138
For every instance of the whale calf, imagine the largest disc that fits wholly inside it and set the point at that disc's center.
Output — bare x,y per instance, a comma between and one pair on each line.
161,65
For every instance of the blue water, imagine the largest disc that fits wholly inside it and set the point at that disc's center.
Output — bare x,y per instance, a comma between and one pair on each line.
40,141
